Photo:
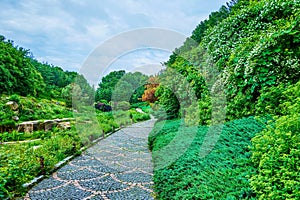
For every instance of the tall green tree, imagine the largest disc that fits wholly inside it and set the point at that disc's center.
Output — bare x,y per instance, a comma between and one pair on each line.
107,85
131,85
17,74
55,78
121,86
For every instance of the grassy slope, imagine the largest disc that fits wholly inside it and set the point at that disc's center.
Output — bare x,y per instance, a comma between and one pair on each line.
30,108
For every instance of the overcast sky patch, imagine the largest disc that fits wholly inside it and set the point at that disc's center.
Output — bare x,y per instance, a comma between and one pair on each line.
65,32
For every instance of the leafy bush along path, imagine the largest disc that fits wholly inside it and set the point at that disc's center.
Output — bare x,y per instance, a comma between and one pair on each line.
118,167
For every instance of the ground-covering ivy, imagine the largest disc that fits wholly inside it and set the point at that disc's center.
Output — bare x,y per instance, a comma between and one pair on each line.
223,174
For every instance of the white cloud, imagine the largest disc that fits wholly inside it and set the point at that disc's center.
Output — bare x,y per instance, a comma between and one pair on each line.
64,32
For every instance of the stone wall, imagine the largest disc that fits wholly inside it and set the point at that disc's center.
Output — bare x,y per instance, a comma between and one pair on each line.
38,125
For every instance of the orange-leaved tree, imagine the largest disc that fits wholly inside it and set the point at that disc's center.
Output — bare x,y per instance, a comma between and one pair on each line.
149,93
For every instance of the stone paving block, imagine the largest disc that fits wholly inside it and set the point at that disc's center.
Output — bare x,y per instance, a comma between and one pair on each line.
104,184
118,167
67,192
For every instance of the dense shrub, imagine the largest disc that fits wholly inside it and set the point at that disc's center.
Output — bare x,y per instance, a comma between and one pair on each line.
276,155
6,115
136,116
103,107
276,150
122,118
263,54
123,105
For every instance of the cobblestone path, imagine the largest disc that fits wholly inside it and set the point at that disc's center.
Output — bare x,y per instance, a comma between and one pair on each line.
118,167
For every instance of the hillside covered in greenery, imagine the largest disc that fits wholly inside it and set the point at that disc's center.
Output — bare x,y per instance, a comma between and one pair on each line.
23,75
39,90
243,66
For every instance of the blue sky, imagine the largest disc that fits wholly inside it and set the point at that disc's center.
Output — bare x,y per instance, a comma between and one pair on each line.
65,32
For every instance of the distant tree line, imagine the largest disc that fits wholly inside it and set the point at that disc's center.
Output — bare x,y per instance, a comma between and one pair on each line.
21,74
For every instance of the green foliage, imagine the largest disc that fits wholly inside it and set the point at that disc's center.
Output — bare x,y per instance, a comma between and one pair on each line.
139,105
55,79
107,85
45,110
13,136
276,150
120,86
31,108
174,93
109,121
130,87
146,109
21,136
17,74
222,174
106,118
264,53
6,115
19,163
15,98
251,52
21,74
82,93
123,105
251,48
67,94
279,100
137,117
169,102
276,153
122,118
161,128
144,106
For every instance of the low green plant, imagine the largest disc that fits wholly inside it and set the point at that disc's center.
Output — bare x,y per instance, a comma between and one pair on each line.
15,98
20,136
122,118
31,108
106,127
13,136
139,105
222,174
19,163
